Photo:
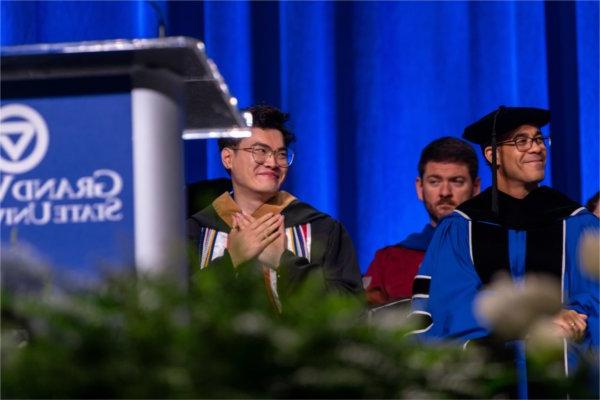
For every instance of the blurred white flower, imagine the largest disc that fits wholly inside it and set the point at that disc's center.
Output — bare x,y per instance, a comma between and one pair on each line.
392,316
250,323
509,309
544,336
149,299
285,338
589,253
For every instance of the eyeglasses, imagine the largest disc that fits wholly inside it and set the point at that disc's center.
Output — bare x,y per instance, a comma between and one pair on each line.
524,143
283,158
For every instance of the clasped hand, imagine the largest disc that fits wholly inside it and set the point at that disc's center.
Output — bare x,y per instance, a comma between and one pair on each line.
570,324
257,238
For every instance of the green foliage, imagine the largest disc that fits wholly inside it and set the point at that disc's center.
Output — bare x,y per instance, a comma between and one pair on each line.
219,337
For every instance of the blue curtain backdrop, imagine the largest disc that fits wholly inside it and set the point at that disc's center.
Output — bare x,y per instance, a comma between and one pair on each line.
368,84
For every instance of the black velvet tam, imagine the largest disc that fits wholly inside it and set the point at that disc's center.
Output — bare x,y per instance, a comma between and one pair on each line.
507,119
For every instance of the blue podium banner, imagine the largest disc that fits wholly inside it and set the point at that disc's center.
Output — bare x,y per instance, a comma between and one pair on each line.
66,188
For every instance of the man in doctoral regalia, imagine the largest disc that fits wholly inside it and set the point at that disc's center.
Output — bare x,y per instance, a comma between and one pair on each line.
516,226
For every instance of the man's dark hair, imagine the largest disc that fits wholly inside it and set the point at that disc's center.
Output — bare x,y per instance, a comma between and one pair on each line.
450,150
593,202
264,117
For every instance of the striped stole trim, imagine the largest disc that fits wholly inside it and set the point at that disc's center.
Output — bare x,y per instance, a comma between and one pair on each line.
212,244
299,239
270,278
206,243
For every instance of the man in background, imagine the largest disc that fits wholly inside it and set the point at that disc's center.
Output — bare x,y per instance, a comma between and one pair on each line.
447,170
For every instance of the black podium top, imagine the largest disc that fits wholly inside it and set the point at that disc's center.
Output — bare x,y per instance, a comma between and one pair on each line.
107,65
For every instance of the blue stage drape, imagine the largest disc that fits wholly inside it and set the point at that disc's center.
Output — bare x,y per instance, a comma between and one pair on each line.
368,84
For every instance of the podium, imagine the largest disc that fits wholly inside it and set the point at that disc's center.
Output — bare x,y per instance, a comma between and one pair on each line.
91,150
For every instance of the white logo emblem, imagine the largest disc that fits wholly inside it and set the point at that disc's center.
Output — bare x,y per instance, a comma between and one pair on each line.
20,125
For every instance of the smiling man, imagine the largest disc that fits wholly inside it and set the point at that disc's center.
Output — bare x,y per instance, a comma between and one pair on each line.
259,226
523,228
447,176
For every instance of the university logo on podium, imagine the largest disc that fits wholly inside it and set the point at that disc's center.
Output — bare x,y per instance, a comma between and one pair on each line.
20,126
66,183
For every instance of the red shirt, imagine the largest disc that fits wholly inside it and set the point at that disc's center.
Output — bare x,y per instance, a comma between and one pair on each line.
391,273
